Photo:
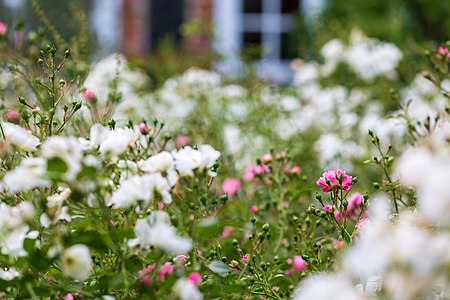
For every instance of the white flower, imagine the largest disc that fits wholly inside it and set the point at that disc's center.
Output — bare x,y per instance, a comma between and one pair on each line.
187,290
56,211
68,149
187,160
33,169
118,141
325,288
141,188
162,162
9,274
76,262
19,137
209,156
155,230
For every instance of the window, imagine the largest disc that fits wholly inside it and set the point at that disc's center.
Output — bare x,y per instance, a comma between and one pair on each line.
263,23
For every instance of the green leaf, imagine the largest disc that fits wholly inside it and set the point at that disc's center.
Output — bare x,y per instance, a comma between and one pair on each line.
56,165
219,268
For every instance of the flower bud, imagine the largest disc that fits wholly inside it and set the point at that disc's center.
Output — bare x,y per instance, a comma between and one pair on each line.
144,128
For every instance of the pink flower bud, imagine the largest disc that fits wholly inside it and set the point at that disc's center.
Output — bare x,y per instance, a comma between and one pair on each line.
89,94
296,169
443,51
182,140
69,297
226,231
245,258
266,158
253,209
230,186
195,277
144,128
3,29
12,115
327,208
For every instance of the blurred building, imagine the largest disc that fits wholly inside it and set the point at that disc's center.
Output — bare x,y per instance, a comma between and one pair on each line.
237,24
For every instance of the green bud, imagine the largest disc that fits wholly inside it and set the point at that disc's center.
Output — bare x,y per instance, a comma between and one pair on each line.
78,105
62,82
253,219
22,100
224,198
67,53
112,124
235,243
266,227
345,203
40,61
224,259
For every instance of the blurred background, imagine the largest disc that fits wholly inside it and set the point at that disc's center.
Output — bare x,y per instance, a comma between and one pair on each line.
227,34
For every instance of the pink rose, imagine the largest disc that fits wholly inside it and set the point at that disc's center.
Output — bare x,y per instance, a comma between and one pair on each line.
230,186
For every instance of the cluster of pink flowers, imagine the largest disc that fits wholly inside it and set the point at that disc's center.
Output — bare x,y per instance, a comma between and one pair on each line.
335,179
167,268
230,186
443,51
298,264
254,170
145,277
292,170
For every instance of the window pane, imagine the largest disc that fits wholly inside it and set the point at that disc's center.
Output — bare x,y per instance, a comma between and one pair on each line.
252,44
251,6
288,48
288,6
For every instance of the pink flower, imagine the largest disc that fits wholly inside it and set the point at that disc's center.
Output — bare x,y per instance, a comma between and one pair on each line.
145,279
361,223
276,288
296,169
443,51
3,29
331,180
161,205
167,268
298,264
226,231
339,244
89,94
327,208
250,173
353,208
266,158
181,258
230,186
245,258
148,269
12,115
195,277
182,140
253,209
51,278
144,128
69,297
